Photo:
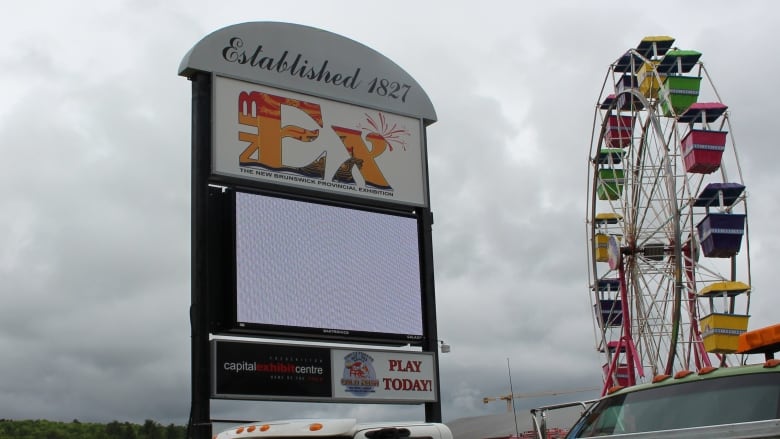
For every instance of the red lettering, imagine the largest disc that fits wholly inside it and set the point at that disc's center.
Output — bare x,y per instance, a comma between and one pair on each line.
408,385
405,366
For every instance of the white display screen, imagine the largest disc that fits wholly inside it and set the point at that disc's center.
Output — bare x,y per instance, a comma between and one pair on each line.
332,269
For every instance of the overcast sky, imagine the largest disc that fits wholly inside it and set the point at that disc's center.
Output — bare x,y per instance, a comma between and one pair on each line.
95,187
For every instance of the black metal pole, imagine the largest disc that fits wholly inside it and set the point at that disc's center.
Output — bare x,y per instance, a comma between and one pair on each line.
432,409
200,410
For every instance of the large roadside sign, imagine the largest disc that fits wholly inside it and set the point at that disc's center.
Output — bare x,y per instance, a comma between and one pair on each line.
312,145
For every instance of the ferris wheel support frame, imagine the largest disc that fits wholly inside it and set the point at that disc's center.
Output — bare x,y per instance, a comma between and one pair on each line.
626,341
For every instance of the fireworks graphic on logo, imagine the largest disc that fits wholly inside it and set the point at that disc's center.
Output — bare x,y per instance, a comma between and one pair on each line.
391,134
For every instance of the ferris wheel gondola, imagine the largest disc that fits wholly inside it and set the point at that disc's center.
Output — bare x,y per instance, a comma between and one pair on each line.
666,222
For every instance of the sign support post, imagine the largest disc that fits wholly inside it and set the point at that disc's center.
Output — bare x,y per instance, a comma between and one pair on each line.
200,416
432,409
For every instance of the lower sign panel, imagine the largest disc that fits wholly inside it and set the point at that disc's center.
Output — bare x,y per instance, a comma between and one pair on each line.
259,371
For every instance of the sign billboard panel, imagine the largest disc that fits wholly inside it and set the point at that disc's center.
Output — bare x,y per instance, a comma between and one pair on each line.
251,370
287,138
329,271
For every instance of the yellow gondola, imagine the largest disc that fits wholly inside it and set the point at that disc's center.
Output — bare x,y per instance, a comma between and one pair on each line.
721,330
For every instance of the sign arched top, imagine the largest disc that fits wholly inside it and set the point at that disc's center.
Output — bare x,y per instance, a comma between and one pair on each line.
310,61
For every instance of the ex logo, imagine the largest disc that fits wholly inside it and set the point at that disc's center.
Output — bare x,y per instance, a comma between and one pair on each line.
261,113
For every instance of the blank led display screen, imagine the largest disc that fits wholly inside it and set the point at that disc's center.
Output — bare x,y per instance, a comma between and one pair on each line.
326,270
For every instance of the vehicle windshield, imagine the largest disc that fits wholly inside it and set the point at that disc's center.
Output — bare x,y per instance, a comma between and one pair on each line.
726,400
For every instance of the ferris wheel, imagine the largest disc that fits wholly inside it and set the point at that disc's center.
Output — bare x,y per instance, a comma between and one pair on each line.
666,221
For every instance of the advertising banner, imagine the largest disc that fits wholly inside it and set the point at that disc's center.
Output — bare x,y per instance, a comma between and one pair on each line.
286,138
245,370
383,376
249,370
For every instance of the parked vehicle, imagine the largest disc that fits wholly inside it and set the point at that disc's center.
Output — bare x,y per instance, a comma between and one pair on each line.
338,429
729,402
718,402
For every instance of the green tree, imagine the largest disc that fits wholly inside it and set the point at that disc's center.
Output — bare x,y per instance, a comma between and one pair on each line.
55,435
151,430
174,432
113,429
128,431
43,429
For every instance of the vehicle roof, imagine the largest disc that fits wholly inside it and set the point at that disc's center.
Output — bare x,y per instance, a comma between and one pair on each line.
324,428
707,373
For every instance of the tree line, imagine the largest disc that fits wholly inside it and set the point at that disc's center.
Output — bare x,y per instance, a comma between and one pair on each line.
42,429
